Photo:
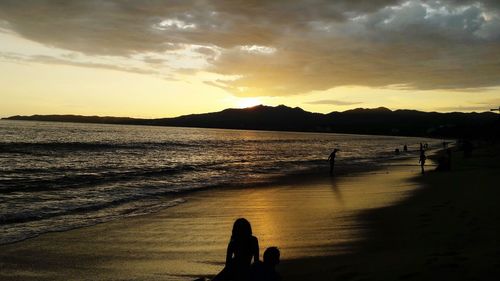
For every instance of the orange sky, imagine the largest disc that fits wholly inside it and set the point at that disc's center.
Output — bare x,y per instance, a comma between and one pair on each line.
152,59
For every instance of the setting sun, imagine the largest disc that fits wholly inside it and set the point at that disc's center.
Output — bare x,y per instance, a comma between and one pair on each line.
247,102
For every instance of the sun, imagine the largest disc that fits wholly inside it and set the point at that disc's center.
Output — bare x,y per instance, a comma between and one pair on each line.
247,102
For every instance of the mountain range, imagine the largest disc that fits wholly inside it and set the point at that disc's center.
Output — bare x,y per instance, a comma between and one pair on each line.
379,121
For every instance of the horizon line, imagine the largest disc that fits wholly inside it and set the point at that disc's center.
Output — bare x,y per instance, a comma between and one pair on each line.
3,117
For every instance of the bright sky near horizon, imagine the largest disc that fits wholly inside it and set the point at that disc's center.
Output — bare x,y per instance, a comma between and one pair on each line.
168,58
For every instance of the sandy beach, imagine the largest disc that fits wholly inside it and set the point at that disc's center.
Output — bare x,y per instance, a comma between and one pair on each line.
446,230
389,224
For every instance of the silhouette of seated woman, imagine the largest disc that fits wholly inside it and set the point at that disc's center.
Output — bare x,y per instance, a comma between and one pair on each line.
242,247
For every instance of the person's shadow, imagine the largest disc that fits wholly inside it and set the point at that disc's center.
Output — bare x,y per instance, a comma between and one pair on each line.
336,191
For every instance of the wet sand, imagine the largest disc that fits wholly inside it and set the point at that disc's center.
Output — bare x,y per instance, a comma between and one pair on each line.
392,224
448,229
307,217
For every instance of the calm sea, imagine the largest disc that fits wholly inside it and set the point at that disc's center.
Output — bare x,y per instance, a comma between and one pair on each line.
59,176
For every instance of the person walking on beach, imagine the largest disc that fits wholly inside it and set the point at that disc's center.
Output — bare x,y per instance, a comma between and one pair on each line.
331,158
422,159
242,247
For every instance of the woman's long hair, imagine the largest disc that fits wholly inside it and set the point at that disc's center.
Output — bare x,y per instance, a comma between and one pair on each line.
241,229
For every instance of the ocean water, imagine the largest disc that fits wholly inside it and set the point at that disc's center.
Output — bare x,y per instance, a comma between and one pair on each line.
59,176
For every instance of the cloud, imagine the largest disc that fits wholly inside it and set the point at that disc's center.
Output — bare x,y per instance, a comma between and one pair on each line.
474,106
69,61
464,108
334,102
280,48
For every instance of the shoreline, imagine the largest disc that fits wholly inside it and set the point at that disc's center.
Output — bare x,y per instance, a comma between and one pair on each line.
445,230
303,177
190,239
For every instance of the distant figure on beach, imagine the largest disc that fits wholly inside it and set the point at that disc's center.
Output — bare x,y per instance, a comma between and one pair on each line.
422,160
467,147
396,151
266,271
242,247
444,162
405,148
331,158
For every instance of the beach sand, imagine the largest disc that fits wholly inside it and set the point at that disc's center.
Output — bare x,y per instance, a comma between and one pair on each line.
448,229
385,225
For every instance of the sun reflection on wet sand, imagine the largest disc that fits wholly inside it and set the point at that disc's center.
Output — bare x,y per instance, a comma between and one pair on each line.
306,218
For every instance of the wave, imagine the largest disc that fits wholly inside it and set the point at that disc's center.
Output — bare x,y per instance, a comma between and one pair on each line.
208,172
46,179
40,148
25,229
35,215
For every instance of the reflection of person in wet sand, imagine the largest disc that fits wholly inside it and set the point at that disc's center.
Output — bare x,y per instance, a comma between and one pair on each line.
422,159
242,247
331,158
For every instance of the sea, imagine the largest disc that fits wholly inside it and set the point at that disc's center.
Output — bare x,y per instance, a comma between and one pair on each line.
58,176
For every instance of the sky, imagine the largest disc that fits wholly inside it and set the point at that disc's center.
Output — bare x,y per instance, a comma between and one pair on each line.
167,58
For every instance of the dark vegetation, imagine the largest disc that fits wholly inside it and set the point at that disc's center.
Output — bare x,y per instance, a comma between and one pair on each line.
380,121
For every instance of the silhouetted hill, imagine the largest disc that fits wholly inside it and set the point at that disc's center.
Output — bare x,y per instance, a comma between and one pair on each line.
280,118
380,121
78,119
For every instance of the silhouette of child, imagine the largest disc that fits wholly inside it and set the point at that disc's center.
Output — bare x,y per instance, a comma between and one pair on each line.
242,247
266,271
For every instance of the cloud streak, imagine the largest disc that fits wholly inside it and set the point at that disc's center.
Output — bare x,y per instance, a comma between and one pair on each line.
464,108
280,48
334,102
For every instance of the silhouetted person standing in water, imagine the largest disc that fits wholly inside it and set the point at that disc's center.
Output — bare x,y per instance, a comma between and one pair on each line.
331,158
405,148
242,247
422,159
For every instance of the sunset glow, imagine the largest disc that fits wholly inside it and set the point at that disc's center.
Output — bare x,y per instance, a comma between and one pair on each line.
150,59
247,102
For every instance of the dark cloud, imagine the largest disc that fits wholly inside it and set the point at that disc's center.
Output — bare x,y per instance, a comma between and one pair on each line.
491,4
284,47
206,51
334,102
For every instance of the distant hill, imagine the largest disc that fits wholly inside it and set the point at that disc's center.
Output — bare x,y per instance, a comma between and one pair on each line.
380,121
